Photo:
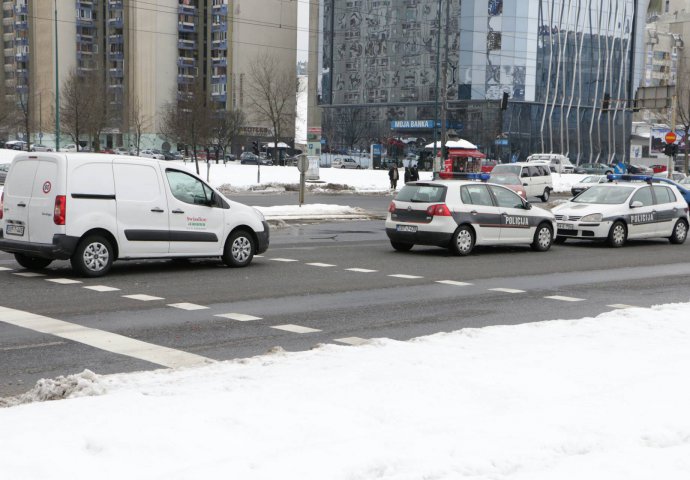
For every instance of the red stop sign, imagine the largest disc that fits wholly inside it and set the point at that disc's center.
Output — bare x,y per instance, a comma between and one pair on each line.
670,137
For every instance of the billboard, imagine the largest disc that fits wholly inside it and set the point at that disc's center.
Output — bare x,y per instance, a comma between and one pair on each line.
657,141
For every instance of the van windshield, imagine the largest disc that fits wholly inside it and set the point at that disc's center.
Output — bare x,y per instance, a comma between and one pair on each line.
506,168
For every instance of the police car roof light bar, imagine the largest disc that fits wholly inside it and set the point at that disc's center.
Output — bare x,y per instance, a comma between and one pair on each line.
629,178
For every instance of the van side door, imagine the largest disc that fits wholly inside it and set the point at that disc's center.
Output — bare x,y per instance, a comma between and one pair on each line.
17,198
197,215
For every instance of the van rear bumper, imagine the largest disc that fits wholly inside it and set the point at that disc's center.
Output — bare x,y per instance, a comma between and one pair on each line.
263,238
62,248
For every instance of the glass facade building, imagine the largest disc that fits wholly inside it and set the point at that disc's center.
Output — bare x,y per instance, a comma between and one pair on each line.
567,66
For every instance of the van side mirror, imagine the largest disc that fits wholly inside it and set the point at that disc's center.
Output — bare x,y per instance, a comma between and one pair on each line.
636,204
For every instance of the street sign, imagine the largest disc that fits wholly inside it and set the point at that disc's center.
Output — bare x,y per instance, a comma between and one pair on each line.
670,137
302,164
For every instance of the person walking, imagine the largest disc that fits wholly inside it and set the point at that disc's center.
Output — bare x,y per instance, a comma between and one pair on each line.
414,173
393,175
408,175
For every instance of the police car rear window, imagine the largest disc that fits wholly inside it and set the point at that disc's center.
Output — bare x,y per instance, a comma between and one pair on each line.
422,193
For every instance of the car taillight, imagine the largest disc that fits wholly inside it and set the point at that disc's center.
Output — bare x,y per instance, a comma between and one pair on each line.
391,207
2,203
439,210
60,210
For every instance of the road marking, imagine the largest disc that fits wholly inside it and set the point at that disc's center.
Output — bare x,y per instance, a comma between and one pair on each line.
284,260
187,306
240,317
402,275
33,345
29,274
102,288
107,341
295,328
142,297
258,256
63,281
352,340
565,299
621,305
507,290
453,282
6,269
361,270
325,265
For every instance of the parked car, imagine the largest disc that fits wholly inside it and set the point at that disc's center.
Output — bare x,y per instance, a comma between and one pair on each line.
587,182
40,148
16,145
509,180
148,153
121,151
639,169
230,157
659,168
248,158
677,176
4,168
597,168
70,147
345,162
560,163
535,177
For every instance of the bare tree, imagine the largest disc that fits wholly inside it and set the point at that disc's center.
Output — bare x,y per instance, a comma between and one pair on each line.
272,92
226,127
351,126
683,104
74,107
138,122
97,111
187,119
8,115
23,109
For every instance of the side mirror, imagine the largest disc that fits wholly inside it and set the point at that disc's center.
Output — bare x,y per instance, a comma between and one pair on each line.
525,185
636,204
527,206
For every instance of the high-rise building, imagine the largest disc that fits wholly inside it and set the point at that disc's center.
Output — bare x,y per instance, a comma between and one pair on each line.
568,67
146,53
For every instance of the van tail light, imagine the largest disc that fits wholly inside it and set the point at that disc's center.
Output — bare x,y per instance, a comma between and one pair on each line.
439,210
2,204
60,210
391,207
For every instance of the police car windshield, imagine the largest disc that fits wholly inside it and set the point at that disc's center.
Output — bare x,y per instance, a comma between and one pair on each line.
422,193
506,169
505,179
605,195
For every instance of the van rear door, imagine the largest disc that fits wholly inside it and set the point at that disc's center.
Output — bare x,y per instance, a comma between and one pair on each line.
18,197
46,187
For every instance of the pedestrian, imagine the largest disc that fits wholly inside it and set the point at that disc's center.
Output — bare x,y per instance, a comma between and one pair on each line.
408,175
414,173
393,175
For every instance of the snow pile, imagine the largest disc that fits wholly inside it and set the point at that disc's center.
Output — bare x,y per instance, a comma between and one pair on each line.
81,384
316,210
598,398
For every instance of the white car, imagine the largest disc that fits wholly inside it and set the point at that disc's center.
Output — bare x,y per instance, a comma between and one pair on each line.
345,162
560,163
70,147
458,215
616,212
587,182
151,154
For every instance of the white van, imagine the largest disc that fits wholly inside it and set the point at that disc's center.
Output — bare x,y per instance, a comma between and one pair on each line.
535,177
558,163
96,208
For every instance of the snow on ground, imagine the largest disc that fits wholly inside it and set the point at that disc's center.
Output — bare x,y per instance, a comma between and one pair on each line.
598,398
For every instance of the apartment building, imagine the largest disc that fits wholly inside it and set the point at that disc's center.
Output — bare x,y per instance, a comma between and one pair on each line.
146,52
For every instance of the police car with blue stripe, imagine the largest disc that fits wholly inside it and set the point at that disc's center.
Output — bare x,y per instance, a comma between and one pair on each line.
459,214
624,209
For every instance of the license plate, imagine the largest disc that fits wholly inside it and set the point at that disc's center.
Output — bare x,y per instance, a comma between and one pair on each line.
565,226
406,228
15,230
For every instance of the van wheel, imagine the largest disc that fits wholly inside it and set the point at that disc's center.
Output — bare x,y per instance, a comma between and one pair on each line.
32,263
617,235
93,256
680,232
239,249
546,195
401,247
462,242
543,237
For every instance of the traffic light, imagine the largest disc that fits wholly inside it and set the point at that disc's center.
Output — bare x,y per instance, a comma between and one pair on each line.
670,149
255,148
504,101
605,103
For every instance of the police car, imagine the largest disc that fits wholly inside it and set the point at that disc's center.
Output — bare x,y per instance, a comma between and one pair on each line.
459,214
617,211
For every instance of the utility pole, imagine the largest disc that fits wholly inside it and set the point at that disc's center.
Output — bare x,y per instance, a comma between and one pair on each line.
444,84
57,86
436,163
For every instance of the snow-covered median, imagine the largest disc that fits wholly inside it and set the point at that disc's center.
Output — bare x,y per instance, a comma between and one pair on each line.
316,210
598,398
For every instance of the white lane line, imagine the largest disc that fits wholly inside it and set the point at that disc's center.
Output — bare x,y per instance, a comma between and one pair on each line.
33,345
258,256
453,282
63,281
296,328
324,265
6,269
402,275
621,306
507,290
142,297
110,342
565,299
240,317
29,274
283,259
102,288
187,306
351,340
361,270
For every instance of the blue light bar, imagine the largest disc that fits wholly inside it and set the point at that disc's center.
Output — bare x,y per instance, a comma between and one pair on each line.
629,178
484,177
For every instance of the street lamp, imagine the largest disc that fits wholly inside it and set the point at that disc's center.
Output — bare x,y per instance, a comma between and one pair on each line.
57,85
435,168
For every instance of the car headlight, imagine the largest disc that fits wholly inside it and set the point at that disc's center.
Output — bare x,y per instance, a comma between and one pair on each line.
594,217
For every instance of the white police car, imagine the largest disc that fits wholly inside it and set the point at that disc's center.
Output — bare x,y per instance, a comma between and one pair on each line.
459,214
615,212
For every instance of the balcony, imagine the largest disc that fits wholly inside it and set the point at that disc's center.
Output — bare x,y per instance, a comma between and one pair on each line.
22,73
220,9
8,52
21,41
23,88
21,25
186,27
186,62
84,22
84,54
115,5
7,21
186,44
185,79
84,3
87,39
116,39
116,72
21,57
21,9
219,61
219,44
219,79
116,55
186,9
9,67
115,22
219,27
219,97
116,86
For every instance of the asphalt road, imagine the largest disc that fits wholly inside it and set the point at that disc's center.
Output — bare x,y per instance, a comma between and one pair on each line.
322,283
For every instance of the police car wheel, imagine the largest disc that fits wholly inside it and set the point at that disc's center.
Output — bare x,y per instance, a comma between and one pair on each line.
93,256
545,196
463,241
680,232
239,249
618,234
542,238
32,263
402,247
